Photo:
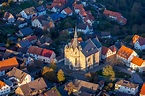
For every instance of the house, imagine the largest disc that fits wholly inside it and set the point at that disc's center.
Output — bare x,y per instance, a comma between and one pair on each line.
83,28
19,0
105,35
8,17
7,65
41,54
107,52
4,89
126,54
80,86
137,63
115,16
23,43
24,32
56,16
21,22
41,10
88,19
43,23
84,55
67,11
57,5
52,92
139,42
20,76
142,92
44,41
31,39
78,7
126,87
32,88
28,13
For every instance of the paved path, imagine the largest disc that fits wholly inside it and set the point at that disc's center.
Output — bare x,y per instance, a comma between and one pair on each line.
134,76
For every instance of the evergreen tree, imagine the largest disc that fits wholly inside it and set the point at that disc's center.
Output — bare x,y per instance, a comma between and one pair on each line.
60,76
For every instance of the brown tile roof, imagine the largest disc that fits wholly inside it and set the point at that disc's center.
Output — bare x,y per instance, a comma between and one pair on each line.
84,86
68,10
127,84
8,63
8,15
30,10
19,74
35,50
32,87
125,52
52,92
137,61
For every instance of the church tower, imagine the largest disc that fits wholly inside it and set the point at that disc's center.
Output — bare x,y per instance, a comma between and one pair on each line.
75,42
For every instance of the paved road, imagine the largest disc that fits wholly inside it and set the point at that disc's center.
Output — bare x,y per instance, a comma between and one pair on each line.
134,76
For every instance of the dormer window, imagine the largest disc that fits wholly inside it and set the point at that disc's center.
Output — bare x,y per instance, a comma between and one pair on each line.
87,51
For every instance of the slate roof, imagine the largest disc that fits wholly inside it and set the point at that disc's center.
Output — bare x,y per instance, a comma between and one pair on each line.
40,8
19,74
20,20
26,31
97,42
24,43
33,86
88,47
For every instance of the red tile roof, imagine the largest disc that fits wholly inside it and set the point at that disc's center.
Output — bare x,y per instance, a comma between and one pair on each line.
78,6
34,50
68,10
137,61
46,53
142,91
31,38
2,84
122,20
111,13
125,52
83,12
8,63
113,48
104,50
135,38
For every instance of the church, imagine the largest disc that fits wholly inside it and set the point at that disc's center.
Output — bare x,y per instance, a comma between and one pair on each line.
82,55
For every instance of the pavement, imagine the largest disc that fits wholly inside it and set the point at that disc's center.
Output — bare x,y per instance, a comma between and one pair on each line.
81,74
134,76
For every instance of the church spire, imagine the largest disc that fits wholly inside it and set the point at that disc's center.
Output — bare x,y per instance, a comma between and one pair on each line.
75,40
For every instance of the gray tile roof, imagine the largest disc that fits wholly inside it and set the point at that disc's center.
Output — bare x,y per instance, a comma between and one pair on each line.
96,42
26,31
40,8
88,47
24,43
